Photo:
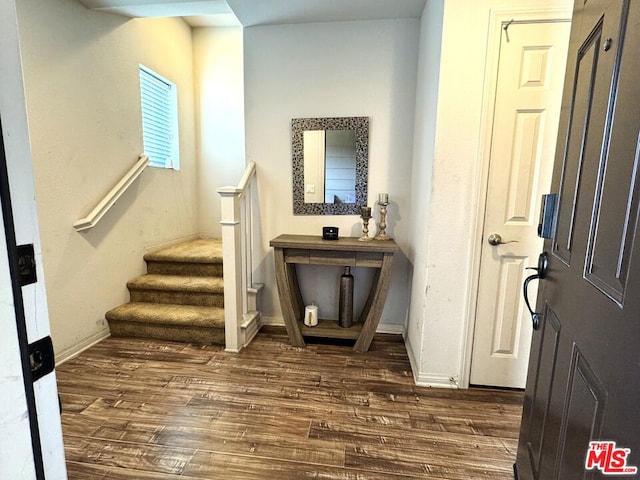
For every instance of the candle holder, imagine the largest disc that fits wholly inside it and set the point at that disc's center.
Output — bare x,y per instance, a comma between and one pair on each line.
382,225
365,214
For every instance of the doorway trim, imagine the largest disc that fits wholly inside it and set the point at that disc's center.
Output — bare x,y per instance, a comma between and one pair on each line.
21,328
497,19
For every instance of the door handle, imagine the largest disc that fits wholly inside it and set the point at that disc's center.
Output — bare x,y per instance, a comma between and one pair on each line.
541,273
495,239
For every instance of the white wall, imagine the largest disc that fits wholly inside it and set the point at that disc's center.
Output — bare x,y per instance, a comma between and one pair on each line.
82,91
332,70
422,174
220,117
444,259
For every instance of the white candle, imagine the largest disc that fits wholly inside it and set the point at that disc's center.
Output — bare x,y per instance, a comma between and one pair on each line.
383,198
310,315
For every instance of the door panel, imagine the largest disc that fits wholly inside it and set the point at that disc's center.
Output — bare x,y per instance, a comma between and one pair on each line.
507,327
593,280
616,198
581,416
534,69
615,211
525,119
538,407
586,66
525,163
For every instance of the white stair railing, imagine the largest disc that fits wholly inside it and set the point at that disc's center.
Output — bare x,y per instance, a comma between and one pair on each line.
238,217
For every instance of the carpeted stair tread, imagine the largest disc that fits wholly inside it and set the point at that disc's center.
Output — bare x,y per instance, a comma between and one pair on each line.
181,298
202,250
177,283
166,314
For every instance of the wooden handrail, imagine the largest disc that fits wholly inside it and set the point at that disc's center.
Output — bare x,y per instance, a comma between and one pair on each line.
243,184
114,194
247,176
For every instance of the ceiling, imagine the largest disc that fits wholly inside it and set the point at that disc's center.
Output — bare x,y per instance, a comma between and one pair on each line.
249,13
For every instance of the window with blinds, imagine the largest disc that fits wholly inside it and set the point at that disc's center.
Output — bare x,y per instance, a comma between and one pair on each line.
159,119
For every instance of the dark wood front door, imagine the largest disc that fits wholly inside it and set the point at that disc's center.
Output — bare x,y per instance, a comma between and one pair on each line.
584,371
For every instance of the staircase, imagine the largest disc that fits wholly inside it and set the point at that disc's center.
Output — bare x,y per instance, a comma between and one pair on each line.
181,298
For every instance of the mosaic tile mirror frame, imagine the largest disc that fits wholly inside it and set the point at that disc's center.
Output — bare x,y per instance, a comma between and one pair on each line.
350,190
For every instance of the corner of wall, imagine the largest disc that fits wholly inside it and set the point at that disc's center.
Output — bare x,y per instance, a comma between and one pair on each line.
425,129
425,379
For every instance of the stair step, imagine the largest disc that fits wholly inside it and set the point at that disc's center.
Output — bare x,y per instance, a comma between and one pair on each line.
201,257
180,299
177,289
168,314
185,323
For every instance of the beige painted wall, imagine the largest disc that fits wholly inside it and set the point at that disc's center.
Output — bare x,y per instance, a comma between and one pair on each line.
83,103
332,70
443,252
219,116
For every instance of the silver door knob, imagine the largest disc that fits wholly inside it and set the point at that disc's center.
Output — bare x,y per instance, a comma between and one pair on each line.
495,239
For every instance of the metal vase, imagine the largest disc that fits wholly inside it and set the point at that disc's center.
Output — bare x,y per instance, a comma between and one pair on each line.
345,305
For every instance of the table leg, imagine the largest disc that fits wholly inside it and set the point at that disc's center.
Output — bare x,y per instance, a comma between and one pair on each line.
290,298
374,305
367,306
294,290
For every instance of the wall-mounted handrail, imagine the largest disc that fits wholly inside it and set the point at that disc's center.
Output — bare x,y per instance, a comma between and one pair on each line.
237,220
114,194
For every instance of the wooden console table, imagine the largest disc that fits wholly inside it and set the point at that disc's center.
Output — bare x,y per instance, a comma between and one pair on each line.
347,251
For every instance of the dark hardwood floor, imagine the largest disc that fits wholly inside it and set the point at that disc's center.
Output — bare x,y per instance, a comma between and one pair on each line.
139,409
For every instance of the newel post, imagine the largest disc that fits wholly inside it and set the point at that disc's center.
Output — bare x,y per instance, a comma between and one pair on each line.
232,266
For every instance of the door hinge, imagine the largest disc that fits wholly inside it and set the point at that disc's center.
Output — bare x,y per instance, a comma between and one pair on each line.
26,265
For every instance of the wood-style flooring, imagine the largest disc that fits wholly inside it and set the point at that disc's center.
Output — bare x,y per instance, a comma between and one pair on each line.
154,410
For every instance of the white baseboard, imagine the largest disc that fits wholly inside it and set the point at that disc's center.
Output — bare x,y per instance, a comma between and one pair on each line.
433,380
251,326
186,238
77,349
168,243
392,329
217,236
272,321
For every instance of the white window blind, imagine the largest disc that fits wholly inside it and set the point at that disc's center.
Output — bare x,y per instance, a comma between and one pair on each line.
159,119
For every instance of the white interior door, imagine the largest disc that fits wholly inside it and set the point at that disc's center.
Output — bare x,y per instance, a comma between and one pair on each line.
15,431
530,75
